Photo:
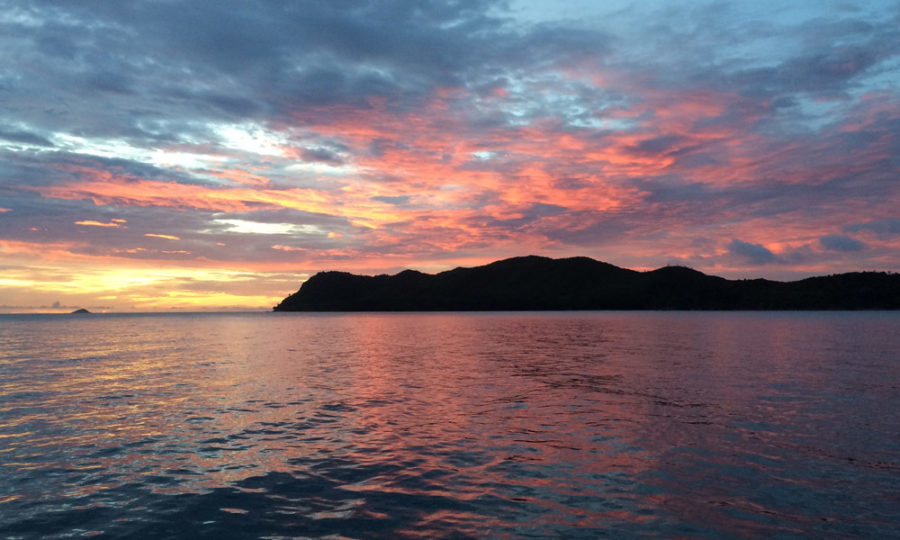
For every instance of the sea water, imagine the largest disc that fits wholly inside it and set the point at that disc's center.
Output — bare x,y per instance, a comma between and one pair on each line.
486,425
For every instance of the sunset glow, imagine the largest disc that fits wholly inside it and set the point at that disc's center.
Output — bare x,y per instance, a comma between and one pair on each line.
158,156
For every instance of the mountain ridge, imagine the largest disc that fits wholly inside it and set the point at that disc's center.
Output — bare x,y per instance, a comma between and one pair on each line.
580,283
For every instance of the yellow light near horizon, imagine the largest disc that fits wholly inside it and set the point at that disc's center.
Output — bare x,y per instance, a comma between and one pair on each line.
7,282
93,280
129,290
116,223
186,300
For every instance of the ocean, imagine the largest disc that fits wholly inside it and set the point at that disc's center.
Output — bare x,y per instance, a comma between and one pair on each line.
427,425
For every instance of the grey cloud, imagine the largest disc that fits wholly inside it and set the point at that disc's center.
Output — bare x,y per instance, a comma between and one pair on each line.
378,147
538,210
820,72
227,59
530,219
318,85
883,226
708,47
24,137
840,243
110,81
258,59
400,200
322,155
755,254
56,167
602,228
571,182
232,105
554,44
673,189
660,145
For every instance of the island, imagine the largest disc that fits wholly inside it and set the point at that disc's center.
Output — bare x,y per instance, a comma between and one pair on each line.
81,311
582,283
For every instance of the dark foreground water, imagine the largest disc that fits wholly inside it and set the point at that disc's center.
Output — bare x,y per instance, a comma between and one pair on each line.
451,425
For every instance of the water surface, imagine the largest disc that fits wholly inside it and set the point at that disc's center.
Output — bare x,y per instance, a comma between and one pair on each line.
501,425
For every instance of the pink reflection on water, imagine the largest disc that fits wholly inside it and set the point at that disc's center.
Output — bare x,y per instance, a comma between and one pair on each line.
731,423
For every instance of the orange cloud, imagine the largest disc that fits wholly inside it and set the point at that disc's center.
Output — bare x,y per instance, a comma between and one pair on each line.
421,185
438,168
120,192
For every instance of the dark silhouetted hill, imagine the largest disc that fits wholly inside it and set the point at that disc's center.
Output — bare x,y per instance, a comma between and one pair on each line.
540,283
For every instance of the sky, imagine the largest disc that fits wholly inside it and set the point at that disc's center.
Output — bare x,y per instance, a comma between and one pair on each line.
211,155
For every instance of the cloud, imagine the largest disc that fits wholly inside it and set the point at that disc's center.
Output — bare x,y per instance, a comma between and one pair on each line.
660,145
324,155
24,137
884,226
378,134
163,236
398,200
115,224
755,254
840,243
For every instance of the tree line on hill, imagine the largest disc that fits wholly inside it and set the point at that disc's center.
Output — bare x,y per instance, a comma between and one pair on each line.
581,283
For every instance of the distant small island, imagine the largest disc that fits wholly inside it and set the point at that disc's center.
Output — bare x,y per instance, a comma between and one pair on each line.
582,283
81,311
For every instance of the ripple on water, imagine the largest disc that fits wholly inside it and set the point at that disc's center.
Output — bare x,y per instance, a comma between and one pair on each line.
425,425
